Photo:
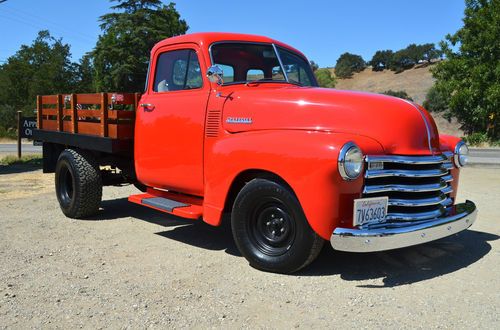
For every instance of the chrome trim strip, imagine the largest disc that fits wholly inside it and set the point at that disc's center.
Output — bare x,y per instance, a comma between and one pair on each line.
425,122
438,159
405,173
417,202
447,178
281,63
448,154
404,188
414,216
394,236
447,165
447,190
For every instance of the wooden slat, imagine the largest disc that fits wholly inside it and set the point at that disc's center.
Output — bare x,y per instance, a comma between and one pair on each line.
49,112
67,126
50,125
49,99
88,98
104,114
89,128
121,114
89,113
59,112
137,97
39,111
74,115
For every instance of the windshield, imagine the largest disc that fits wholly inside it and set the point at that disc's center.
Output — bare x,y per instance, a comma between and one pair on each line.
250,62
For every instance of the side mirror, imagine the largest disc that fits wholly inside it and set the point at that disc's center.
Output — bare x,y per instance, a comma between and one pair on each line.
215,74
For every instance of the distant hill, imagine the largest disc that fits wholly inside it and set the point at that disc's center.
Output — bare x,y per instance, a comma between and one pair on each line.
416,82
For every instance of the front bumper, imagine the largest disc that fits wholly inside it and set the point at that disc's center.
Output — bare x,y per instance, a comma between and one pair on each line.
390,236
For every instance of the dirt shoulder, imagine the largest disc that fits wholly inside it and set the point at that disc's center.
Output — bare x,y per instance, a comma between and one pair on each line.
134,267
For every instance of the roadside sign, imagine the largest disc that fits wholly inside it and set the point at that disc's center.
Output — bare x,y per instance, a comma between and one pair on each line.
27,126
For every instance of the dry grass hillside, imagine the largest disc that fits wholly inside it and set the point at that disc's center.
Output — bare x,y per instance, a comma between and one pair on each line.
415,82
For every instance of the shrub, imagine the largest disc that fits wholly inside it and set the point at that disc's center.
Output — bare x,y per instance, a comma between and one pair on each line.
400,94
325,79
476,139
436,100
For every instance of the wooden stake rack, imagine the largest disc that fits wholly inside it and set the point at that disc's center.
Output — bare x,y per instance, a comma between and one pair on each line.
104,114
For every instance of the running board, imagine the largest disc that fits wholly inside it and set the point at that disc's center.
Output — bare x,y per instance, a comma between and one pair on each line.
181,205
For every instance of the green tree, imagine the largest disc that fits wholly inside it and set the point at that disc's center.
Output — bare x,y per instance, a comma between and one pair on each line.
347,64
85,75
314,66
402,60
470,75
437,99
430,52
121,55
324,77
400,94
44,67
381,60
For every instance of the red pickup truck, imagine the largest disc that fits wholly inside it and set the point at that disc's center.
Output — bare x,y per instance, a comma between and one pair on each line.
233,123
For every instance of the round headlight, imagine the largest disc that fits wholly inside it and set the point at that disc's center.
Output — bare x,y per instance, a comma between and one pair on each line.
350,161
461,154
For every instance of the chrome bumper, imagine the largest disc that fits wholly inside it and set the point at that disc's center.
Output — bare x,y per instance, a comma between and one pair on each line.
397,235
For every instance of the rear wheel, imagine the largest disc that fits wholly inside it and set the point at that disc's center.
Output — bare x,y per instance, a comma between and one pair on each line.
78,183
271,230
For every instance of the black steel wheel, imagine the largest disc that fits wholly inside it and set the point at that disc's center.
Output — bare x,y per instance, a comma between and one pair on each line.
271,230
78,183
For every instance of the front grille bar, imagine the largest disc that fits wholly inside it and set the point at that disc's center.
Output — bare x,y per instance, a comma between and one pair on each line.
442,199
405,173
405,187
408,159
418,187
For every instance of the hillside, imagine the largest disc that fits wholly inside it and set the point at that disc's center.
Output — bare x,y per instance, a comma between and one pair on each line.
416,82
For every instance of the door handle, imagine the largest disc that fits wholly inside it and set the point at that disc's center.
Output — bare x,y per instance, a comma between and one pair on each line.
148,107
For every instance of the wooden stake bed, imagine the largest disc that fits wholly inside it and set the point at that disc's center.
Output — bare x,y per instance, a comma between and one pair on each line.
108,115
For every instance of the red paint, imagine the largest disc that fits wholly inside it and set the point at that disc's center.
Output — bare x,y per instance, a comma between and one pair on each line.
296,133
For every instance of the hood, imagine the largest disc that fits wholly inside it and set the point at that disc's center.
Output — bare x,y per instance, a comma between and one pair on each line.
401,127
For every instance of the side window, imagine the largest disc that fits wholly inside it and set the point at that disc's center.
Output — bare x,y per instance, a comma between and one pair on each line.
228,72
255,74
177,70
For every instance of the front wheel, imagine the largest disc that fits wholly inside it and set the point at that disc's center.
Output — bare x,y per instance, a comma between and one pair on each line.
78,183
271,230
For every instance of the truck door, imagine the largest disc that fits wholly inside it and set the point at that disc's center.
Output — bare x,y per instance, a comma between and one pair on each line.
170,121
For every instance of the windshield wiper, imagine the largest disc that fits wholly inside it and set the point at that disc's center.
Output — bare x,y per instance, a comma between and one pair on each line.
256,81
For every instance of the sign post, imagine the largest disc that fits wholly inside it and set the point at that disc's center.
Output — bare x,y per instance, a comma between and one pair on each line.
19,116
25,126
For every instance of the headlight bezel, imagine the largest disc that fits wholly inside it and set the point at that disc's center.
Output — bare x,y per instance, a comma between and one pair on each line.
345,173
457,154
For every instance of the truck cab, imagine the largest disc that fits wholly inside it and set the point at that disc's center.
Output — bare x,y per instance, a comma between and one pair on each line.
233,123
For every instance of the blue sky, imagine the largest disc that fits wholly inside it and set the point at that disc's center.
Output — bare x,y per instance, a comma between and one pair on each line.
321,29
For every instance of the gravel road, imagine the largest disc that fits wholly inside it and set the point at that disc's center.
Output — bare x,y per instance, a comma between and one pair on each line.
132,267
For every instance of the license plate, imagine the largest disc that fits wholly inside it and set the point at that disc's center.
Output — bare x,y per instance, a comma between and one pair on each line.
370,210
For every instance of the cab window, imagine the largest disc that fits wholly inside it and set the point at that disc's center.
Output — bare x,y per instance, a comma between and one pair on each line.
177,70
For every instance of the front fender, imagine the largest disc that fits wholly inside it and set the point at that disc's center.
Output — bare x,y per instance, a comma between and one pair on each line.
306,160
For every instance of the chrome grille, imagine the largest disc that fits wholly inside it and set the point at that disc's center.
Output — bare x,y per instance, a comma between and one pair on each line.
418,187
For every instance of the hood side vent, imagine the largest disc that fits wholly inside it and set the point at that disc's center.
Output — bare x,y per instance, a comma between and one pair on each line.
213,123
